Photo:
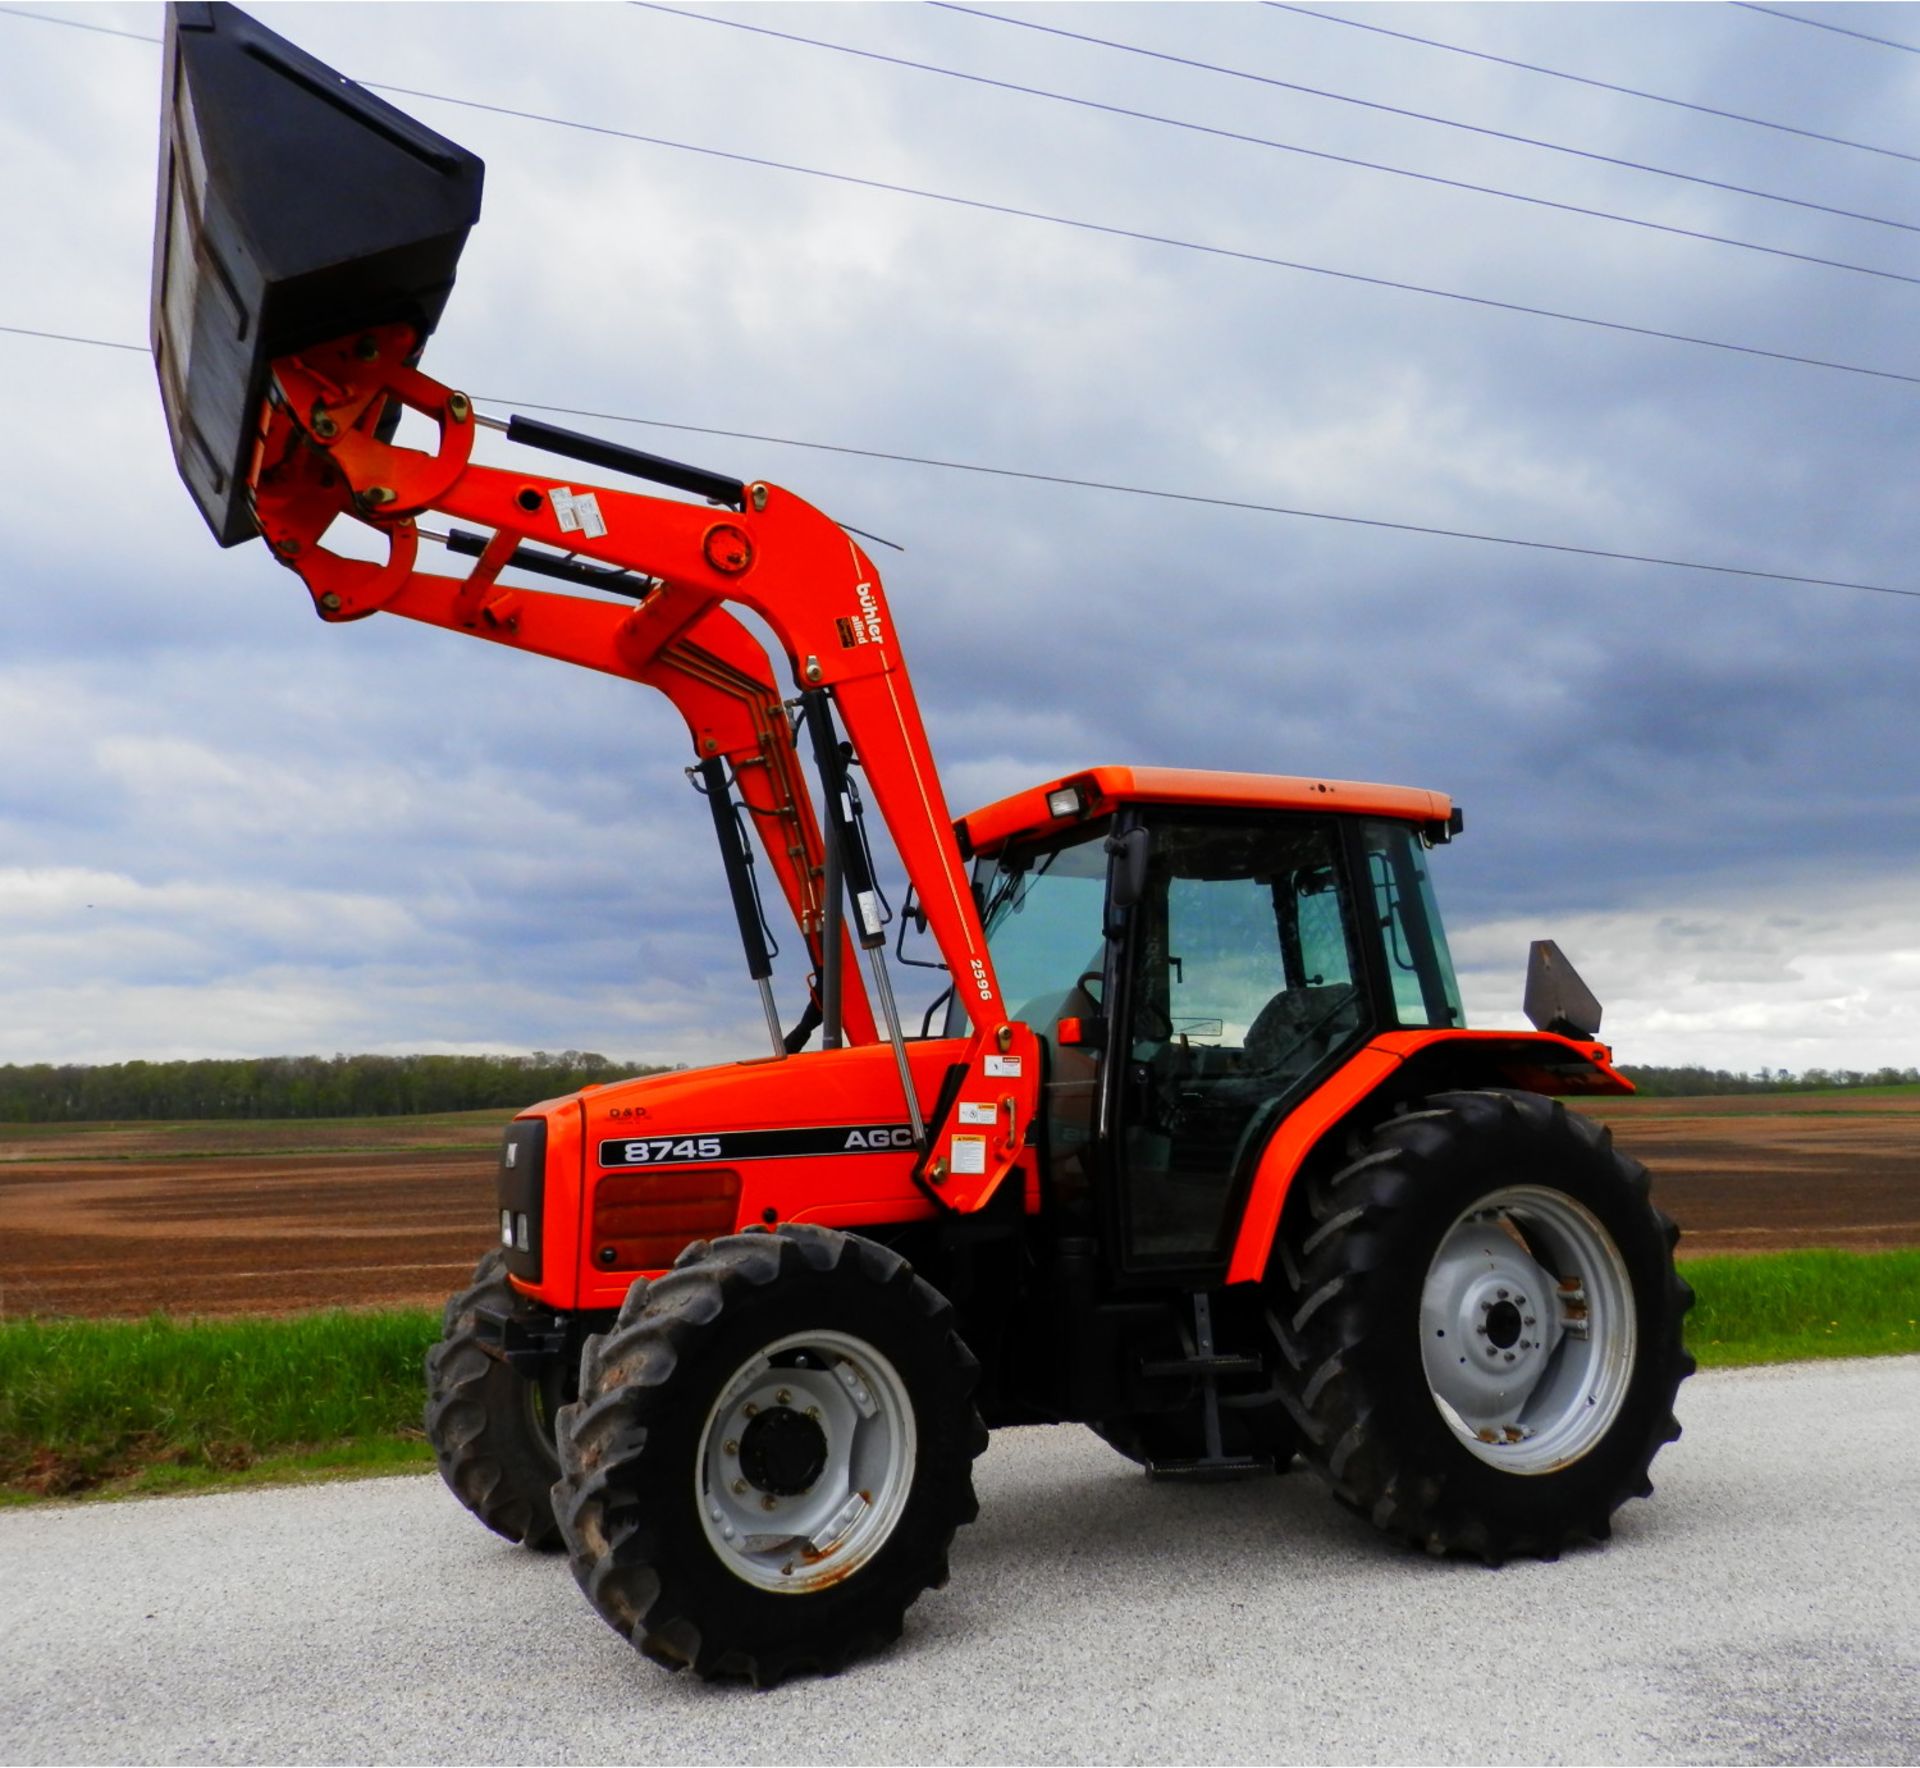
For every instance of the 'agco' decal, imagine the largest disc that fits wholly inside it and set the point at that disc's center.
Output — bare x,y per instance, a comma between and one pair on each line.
859,1138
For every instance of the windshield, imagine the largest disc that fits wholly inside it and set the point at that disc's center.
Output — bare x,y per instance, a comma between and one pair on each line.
1043,917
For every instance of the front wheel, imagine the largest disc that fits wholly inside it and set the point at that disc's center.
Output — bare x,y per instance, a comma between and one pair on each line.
770,1455
491,1427
1485,1323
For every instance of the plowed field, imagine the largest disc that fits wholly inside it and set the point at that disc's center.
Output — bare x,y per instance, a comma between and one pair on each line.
261,1218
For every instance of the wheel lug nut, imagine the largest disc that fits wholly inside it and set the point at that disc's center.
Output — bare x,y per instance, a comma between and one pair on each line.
769,1502
813,1412
739,1488
1501,1293
783,1398
730,1447
1509,1356
749,1410
1528,1321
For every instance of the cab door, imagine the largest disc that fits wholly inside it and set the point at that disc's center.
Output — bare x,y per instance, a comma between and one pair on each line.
1239,987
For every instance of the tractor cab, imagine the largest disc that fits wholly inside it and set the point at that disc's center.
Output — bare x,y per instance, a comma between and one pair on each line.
1197,953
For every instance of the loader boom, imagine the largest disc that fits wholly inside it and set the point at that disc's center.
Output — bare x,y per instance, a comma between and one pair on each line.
321,455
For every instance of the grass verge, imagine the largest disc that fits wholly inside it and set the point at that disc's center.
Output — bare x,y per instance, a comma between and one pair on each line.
116,1407
1783,1307
164,1405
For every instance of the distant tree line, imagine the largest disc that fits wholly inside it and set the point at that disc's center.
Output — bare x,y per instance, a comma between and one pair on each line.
1674,1083
295,1086
396,1086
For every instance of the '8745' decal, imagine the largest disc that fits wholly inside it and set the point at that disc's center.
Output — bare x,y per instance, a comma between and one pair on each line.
659,1150
697,1150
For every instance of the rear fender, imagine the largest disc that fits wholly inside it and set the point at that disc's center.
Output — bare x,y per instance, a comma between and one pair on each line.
1398,1066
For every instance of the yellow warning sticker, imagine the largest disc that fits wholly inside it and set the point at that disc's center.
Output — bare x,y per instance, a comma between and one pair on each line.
969,1155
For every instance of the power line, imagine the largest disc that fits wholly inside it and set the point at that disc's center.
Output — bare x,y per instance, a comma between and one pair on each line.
1145,237
1211,67
1820,24
1338,97
80,25
1205,66
27,331
1116,487
1534,67
1227,503
1138,235
1341,159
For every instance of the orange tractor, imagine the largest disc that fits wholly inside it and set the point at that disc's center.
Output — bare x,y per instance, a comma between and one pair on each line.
1195,1149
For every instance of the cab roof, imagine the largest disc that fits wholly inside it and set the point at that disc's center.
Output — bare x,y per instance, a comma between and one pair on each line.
1103,789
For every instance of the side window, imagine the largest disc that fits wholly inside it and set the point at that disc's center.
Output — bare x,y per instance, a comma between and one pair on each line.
1418,962
1326,959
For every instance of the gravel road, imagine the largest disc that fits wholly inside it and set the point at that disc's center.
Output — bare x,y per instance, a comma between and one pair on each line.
1764,1607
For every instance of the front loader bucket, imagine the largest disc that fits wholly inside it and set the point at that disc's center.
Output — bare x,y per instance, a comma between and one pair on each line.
294,208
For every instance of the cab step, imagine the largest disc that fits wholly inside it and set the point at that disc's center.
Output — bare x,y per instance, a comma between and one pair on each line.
1203,1366
1211,1467
1207,1366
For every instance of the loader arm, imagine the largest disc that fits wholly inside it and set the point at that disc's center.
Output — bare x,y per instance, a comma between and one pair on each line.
320,455
716,676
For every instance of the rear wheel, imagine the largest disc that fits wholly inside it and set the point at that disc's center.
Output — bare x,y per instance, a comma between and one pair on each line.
770,1455
1485,1324
491,1428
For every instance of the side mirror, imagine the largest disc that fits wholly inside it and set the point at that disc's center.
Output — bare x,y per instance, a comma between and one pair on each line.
1132,850
1556,999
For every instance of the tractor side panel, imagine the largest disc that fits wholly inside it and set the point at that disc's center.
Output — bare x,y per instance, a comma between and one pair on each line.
1431,1061
668,1159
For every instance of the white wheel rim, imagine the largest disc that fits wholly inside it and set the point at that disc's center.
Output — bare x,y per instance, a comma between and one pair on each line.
811,1397
1528,1329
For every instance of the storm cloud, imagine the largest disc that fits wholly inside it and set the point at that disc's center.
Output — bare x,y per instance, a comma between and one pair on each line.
225,828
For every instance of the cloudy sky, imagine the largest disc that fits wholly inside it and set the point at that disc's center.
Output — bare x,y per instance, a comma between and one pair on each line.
228,829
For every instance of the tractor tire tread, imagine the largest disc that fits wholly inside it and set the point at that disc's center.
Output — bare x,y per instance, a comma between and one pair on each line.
482,1434
604,1445
1327,1314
